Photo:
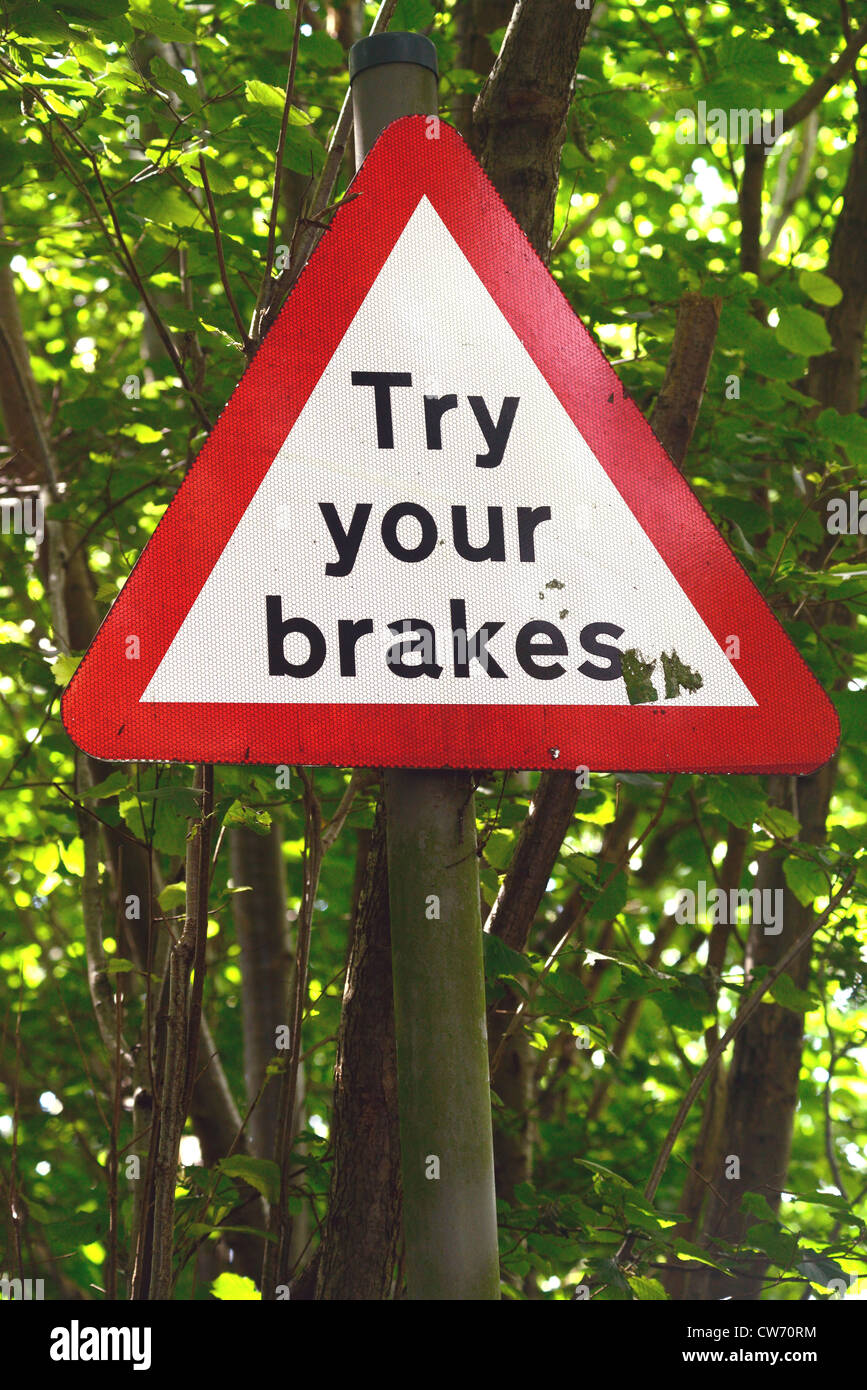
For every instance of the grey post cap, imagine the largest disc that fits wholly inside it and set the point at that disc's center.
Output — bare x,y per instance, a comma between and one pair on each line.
392,48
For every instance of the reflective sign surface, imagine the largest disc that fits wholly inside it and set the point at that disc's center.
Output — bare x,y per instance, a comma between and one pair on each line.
430,530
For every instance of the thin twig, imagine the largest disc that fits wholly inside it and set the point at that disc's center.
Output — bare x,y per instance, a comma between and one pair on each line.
275,1268
198,861
818,90
265,289
624,859
221,260
360,779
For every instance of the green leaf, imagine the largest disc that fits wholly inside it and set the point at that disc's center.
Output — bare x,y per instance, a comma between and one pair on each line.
643,1217
611,900
779,1244
779,823
220,181
239,814
637,986
849,431
271,26
173,895
805,878
64,668
303,151
142,434
562,984
647,1289
165,76
115,782
740,800
685,1250
118,966
413,15
609,1176
175,809
263,94
261,1173
321,50
803,332
821,1199
501,962
160,18
821,1270
157,202
820,288
499,848
786,993
234,1287
563,1249
684,1006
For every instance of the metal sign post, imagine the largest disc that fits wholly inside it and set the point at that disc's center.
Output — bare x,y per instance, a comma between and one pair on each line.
447,1159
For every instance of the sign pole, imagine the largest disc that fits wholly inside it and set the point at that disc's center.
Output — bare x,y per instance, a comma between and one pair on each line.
449,1207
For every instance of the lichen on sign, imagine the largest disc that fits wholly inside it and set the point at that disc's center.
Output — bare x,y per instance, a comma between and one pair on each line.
636,676
678,676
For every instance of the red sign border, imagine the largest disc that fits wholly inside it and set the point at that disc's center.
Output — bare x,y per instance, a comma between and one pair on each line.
793,728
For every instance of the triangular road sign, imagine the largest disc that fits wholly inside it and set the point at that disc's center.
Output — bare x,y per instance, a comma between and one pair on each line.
430,530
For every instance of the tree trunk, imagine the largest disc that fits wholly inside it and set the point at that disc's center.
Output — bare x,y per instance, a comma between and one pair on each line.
262,927
474,21
762,1091
359,1244
520,116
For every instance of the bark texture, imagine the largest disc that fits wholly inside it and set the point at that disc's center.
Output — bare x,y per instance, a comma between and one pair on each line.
474,21
676,411
520,116
359,1244
262,928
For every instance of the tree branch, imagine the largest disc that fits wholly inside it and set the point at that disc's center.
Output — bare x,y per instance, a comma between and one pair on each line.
813,95
265,288
221,261
676,411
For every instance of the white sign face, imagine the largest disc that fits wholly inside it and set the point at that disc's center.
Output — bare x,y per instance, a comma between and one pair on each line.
435,529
